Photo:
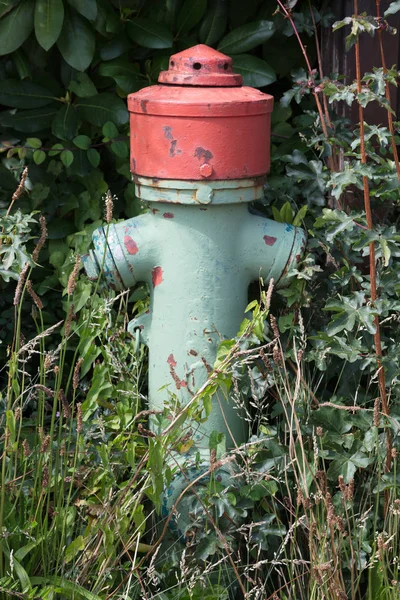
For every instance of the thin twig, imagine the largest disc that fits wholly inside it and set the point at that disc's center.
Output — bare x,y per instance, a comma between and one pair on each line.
372,260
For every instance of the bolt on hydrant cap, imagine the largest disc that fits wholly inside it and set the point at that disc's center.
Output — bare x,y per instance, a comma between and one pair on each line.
201,66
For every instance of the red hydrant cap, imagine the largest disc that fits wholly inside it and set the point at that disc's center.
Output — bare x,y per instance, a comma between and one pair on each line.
201,65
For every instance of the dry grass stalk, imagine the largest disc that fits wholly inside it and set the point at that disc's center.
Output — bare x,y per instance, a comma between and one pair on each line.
34,295
20,284
42,239
19,191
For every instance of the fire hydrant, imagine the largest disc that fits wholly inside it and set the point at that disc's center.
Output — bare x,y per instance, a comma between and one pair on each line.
199,155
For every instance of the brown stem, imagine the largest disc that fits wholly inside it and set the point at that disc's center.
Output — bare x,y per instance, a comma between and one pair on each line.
387,93
321,76
372,260
309,69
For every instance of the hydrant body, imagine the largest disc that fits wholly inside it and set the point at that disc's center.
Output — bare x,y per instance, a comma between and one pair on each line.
199,156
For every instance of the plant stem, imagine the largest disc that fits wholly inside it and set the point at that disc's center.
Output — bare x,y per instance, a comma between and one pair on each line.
372,260
288,15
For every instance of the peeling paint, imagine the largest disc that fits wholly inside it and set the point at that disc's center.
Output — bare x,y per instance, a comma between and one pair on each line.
130,245
173,150
203,154
168,215
193,352
157,276
269,240
143,105
171,360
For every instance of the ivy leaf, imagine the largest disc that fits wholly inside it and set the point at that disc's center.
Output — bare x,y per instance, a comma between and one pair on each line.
340,221
214,23
149,34
255,71
350,310
16,26
190,14
49,18
99,109
346,464
246,37
76,42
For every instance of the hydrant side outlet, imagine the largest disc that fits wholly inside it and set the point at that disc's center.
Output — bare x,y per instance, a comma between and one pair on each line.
199,155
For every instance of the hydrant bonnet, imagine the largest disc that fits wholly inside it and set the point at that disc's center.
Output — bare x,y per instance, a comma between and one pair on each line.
202,125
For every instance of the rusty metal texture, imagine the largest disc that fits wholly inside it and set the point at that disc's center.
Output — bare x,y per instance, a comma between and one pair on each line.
202,130
202,66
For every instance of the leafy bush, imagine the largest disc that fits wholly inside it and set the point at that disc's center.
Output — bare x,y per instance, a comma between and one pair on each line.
313,509
67,67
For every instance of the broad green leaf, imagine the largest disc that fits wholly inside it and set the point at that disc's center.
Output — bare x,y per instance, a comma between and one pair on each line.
286,213
297,221
76,42
21,64
214,23
56,149
246,37
82,141
7,5
115,47
149,34
99,109
72,550
87,8
394,7
65,123
255,71
93,157
125,74
109,130
82,85
39,156
190,14
120,148
67,158
34,142
30,121
49,18
26,584
24,94
16,26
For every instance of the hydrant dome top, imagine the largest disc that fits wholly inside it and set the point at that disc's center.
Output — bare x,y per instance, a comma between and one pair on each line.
201,66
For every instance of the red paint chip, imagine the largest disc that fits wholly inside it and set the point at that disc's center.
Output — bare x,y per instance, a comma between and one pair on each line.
183,383
171,360
168,215
157,276
130,245
269,240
